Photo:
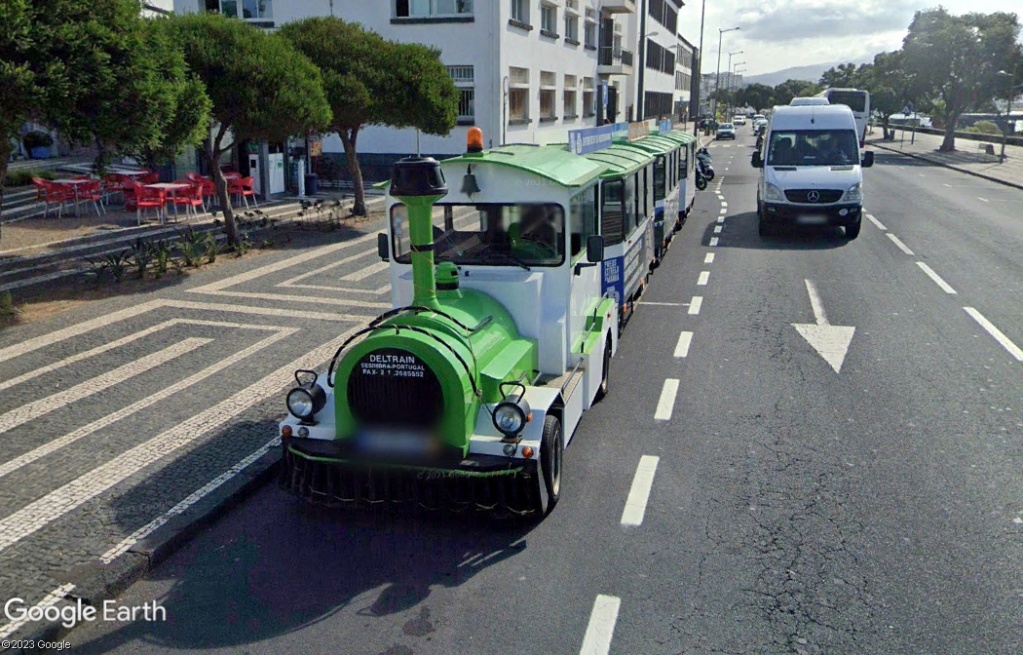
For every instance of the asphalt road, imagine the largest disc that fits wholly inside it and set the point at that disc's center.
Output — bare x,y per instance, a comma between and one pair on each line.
870,502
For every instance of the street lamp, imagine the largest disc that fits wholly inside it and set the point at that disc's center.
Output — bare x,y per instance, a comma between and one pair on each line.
717,75
1008,108
694,83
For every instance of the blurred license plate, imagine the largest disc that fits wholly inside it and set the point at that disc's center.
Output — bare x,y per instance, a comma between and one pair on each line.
395,442
813,219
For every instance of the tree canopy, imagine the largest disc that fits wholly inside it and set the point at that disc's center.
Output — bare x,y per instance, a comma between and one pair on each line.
261,88
372,81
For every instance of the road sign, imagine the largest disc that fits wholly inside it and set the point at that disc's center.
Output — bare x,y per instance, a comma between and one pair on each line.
604,87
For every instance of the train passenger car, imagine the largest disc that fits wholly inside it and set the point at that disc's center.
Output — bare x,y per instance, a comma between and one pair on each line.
667,163
626,221
465,394
686,171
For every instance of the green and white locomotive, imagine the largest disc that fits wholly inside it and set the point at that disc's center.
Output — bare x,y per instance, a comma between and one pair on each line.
465,395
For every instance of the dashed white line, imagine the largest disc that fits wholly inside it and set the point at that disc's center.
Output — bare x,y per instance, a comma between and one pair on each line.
983,199
879,224
666,403
602,626
702,280
47,404
998,335
696,304
903,247
717,229
684,341
639,494
724,204
713,241
708,258
721,219
946,184
937,278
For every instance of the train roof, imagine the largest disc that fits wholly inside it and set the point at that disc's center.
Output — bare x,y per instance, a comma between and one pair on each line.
619,159
656,144
555,163
679,136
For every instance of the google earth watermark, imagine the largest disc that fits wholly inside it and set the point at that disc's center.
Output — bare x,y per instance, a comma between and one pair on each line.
15,610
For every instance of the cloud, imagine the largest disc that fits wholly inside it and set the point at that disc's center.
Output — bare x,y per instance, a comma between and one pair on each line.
774,21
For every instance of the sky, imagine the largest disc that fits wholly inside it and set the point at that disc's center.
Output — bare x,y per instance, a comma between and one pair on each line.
778,34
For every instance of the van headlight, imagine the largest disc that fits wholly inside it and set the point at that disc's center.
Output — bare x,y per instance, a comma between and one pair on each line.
772,192
855,193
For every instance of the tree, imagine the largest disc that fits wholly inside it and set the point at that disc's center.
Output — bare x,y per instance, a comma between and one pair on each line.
756,95
955,60
260,87
372,81
789,89
88,68
841,76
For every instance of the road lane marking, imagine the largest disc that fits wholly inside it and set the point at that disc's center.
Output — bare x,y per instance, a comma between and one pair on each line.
702,280
373,269
937,278
47,404
37,453
660,304
819,315
724,210
708,258
879,224
998,335
721,219
946,184
684,341
696,304
602,626
666,403
713,241
717,229
903,247
126,544
982,199
51,599
639,494
37,515
724,205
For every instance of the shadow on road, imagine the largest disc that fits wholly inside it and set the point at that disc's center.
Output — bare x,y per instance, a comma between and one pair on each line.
741,232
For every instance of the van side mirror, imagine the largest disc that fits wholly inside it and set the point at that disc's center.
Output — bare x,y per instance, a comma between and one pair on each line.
758,160
868,159
594,253
383,247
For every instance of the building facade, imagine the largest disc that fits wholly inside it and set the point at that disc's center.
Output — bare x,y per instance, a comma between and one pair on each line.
528,71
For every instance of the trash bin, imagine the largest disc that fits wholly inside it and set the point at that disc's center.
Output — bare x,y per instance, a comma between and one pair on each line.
312,184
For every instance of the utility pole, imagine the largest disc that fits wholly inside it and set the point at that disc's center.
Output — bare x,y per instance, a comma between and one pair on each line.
717,75
694,84
642,59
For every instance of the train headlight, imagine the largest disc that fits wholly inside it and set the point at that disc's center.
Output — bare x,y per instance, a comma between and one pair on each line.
511,415
305,401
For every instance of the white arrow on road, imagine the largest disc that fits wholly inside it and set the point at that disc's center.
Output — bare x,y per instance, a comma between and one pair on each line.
830,341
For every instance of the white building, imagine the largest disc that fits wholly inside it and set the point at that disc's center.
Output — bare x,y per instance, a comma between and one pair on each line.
529,70
684,60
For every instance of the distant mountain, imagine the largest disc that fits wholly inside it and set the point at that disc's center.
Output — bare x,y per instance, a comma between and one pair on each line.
810,73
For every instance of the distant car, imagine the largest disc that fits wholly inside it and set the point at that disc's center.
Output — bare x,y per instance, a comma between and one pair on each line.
739,120
726,131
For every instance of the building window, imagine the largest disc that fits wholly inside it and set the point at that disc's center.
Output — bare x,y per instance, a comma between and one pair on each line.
570,96
518,94
257,10
464,79
431,8
548,93
549,20
589,108
520,11
572,28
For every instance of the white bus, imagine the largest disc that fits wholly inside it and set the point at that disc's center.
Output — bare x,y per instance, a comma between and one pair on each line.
856,99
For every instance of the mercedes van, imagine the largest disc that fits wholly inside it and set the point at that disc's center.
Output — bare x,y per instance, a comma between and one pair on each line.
811,169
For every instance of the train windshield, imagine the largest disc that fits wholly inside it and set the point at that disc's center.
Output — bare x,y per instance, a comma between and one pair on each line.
491,234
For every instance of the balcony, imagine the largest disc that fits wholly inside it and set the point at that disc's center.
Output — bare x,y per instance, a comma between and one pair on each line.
619,6
612,61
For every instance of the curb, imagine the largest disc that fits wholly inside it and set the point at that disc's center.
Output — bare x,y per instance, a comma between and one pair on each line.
97,583
949,166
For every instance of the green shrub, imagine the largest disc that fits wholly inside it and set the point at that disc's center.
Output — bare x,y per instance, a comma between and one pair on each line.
984,127
23,177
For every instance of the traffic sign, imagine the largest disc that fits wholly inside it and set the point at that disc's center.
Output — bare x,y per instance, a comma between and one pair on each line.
604,87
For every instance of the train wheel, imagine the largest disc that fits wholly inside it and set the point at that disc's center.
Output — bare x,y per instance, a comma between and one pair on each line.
552,449
605,372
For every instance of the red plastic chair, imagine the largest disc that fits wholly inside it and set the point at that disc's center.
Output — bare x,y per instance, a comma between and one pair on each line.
128,188
244,189
190,198
58,194
91,192
149,198
207,188
150,178
113,185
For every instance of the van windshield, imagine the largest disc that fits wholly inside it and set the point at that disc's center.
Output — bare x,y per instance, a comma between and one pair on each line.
813,148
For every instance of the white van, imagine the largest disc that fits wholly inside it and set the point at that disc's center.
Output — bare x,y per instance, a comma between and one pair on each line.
811,169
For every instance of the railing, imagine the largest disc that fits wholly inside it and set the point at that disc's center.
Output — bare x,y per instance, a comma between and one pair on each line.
610,56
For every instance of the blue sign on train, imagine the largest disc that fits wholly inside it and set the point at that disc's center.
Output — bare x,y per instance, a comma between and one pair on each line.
590,139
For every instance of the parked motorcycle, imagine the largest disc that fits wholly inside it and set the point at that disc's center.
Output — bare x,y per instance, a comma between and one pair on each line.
701,181
703,166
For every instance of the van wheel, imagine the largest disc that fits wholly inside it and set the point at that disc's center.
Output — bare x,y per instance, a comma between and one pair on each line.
763,227
852,230
605,372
